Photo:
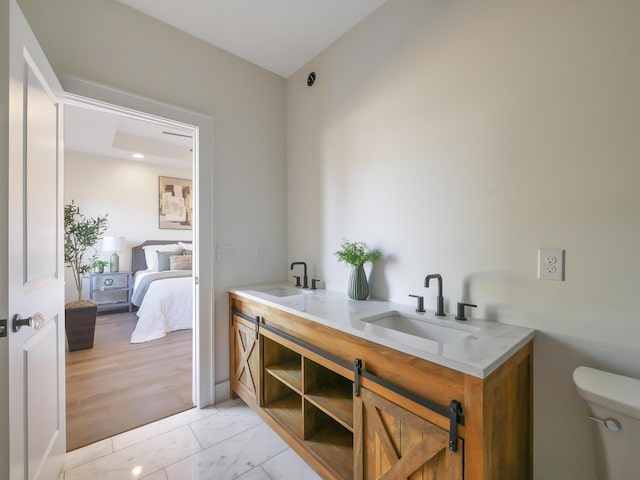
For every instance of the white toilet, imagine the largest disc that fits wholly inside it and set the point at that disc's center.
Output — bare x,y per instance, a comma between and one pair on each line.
614,402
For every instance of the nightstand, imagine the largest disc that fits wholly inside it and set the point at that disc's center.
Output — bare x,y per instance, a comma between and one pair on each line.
111,290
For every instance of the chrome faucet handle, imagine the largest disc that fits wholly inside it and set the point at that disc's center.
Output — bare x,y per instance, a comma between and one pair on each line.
460,311
420,303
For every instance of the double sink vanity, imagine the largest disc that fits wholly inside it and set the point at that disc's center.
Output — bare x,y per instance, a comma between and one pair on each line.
374,390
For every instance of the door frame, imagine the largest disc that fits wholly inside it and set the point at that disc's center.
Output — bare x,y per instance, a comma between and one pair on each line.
4,232
92,95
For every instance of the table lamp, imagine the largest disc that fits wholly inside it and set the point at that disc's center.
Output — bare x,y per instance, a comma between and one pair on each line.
113,244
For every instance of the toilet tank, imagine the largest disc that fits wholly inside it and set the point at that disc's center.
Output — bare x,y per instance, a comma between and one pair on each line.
616,397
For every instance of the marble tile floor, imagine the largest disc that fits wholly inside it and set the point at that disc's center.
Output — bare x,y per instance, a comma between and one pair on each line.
228,441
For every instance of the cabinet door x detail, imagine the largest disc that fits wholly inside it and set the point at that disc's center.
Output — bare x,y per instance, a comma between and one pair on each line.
398,444
246,360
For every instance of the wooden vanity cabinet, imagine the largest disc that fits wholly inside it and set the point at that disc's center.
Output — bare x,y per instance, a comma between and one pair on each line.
301,383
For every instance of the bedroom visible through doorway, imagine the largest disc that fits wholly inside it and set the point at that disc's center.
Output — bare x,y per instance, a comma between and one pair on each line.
139,171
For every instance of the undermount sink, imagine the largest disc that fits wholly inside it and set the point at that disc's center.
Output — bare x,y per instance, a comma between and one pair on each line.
284,291
419,327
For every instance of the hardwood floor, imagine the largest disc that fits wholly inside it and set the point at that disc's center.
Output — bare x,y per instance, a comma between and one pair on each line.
117,385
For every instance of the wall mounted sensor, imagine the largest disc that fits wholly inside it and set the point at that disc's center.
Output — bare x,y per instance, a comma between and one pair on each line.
311,79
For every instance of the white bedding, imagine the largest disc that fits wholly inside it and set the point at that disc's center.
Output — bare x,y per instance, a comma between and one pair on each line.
167,307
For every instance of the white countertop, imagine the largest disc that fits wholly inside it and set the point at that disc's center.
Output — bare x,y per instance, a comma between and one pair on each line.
486,348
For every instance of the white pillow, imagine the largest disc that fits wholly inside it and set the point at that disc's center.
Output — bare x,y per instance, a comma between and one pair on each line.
151,253
188,246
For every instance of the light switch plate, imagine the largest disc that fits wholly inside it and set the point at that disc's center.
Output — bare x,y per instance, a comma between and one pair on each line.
224,252
551,264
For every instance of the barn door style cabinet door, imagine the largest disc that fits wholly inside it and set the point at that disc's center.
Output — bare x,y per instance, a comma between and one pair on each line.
394,443
245,360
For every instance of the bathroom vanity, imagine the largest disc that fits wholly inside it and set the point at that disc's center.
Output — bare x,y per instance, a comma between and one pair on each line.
361,391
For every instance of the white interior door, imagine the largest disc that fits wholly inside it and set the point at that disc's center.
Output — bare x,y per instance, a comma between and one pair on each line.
35,263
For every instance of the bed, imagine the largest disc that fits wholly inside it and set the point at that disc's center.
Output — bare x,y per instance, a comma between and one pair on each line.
162,289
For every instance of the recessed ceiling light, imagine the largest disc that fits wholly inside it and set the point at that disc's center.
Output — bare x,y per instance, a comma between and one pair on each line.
137,470
138,155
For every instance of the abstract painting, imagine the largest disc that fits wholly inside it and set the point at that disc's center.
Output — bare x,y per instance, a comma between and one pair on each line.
175,207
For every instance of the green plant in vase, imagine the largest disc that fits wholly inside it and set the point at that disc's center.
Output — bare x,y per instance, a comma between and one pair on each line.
98,265
356,255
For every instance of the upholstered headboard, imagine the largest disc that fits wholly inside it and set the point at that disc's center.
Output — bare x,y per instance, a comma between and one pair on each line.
138,261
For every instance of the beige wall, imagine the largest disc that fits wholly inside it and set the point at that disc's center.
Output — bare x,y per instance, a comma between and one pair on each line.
125,190
460,137
106,42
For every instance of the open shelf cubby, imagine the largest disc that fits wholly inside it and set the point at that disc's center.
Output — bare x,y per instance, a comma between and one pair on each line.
330,441
312,402
282,403
330,392
283,364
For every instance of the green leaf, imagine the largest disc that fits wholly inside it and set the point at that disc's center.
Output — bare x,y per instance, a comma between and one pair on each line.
355,253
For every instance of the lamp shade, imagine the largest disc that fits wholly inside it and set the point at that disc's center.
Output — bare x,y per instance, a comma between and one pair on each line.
112,244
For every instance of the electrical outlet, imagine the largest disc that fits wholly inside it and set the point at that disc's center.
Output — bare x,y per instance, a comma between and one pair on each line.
551,265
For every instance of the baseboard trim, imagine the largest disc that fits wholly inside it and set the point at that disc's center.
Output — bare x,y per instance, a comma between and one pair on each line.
222,391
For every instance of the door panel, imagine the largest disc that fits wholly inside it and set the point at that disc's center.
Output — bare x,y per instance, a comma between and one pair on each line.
245,376
42,419
41,166
35,263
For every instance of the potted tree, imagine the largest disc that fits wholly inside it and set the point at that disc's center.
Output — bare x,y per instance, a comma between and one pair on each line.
80,235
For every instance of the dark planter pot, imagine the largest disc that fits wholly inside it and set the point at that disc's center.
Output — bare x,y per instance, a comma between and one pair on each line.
80,324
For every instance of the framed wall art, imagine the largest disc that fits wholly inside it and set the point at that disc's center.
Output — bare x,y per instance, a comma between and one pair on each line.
175,207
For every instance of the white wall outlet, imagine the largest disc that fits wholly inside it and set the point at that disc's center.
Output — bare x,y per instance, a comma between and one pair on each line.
224,252
551,265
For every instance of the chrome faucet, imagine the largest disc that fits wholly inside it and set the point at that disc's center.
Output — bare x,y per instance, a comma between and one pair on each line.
420,303
305,283
437,276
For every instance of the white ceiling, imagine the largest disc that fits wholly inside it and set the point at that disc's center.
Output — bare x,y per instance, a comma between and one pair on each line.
105,134
278,35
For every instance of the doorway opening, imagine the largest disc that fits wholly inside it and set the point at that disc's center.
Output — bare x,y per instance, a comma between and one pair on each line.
123,192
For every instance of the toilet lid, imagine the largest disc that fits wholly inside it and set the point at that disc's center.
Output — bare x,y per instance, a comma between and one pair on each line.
609,390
